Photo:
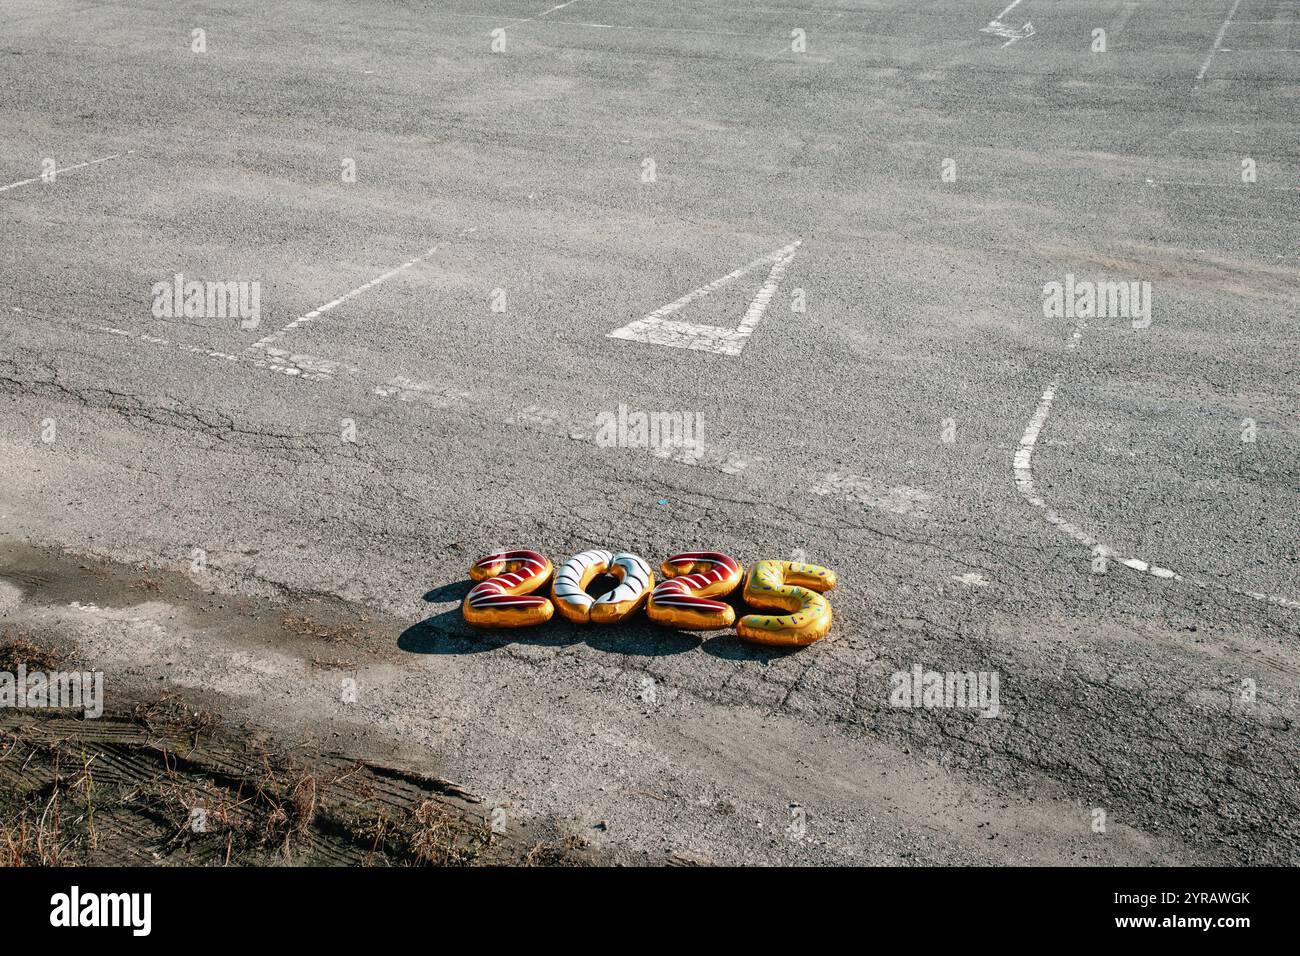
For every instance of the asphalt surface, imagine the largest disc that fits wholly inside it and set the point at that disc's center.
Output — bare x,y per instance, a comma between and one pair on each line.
1132,579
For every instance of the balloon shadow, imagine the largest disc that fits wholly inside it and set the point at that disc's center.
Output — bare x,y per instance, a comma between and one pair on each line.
448,633
455,591
639,636
729,646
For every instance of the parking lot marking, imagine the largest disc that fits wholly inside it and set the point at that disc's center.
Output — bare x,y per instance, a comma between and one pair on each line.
657,329
540,15
999,29
298,365
334,303
1022,468
167,343
295,365
65,169
896,499
1218,41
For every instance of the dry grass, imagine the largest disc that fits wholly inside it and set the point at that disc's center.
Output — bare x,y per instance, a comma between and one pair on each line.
166,783
555,854
308,627
333,664
19,650
170,713
34,835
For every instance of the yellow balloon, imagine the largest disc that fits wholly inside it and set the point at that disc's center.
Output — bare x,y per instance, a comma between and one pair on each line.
792,587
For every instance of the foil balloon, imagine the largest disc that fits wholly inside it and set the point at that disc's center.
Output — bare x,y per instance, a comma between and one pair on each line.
569,591
791,587
693,577
504,595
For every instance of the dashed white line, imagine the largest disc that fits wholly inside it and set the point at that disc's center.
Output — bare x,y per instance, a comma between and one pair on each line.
307,367
66,169
1218,40
168,343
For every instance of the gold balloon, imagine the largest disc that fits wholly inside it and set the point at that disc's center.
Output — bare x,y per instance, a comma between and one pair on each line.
792,587
504,595
693,577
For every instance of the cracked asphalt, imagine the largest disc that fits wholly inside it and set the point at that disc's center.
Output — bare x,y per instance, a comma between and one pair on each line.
388,441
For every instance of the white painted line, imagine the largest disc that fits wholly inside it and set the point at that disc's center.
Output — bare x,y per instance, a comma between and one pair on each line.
1022,468
540,15
65,169
646,28
999,29
307,367
657,329
440,396
754,314
292,364
335,303
1218,41
156,340
1011,6
296,364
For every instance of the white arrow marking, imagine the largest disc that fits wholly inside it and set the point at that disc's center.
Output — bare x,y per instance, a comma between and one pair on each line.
1000,29
657,329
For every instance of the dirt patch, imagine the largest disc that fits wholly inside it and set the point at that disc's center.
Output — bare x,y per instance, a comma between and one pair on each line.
1237,277
165,784
321,630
